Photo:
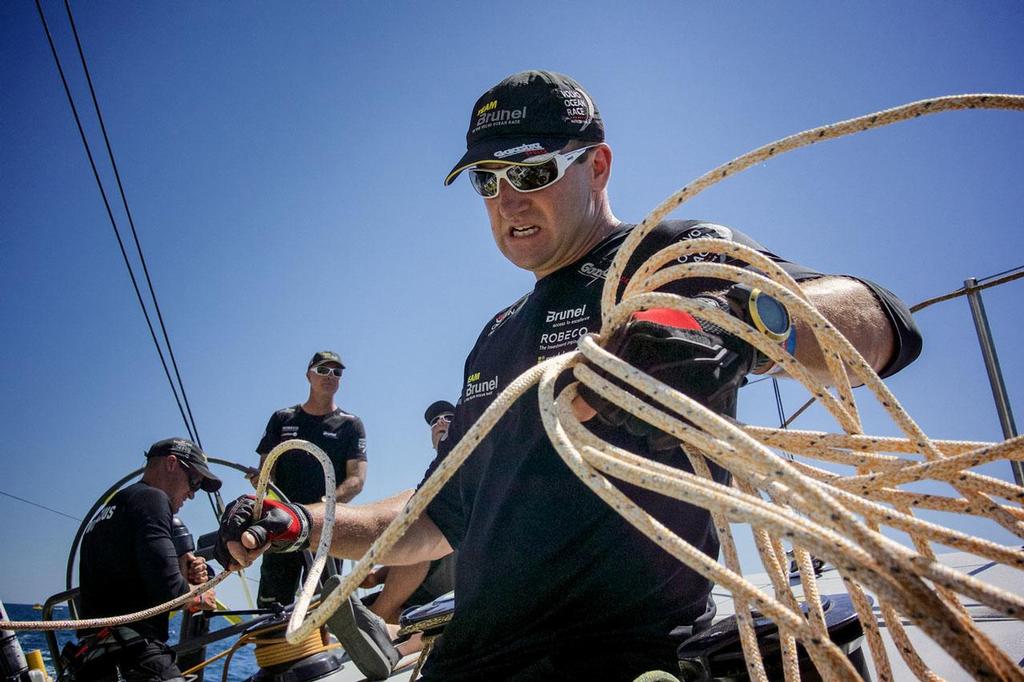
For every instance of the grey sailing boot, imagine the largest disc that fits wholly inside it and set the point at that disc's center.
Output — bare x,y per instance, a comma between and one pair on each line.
363,634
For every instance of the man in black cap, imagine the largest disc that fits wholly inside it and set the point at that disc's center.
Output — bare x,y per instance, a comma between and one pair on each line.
423,582
129,563
298,475
552,583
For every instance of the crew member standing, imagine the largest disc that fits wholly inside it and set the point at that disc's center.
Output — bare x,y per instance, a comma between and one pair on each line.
298,475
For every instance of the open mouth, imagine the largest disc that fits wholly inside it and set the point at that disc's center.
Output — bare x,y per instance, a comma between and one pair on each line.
524,231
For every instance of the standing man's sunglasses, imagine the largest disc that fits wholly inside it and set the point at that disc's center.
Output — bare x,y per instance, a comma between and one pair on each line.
324,371
446,418
525,177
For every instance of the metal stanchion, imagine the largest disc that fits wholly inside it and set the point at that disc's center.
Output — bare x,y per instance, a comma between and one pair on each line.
995,374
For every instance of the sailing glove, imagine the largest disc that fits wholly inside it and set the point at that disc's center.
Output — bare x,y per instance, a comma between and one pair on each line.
285,526
695,358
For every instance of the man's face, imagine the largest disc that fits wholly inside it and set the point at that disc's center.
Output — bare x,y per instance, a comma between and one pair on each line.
548,229
324,383
439,429
184,484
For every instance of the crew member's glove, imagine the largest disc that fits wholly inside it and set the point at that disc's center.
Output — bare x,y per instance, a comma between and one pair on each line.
285,526
675,348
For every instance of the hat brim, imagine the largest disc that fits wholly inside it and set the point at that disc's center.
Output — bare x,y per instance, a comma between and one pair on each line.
438,408
211,483
325,362
495,150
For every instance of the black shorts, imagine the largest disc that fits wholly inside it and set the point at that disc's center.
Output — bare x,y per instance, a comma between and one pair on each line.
154,663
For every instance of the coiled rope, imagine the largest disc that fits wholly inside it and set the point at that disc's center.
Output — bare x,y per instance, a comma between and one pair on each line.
838,518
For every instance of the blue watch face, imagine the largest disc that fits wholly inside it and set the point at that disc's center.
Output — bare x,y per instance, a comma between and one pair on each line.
773,314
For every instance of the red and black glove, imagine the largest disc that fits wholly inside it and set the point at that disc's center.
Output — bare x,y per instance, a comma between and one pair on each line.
675,348
285,526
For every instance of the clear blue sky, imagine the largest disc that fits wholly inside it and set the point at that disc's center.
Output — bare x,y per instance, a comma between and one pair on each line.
284,163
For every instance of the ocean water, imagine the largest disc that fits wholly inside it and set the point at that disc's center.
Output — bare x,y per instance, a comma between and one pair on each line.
242,665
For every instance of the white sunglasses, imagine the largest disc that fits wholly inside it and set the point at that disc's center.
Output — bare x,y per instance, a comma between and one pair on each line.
525,177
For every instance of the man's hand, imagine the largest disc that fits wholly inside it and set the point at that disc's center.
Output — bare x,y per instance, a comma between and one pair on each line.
674,348
196,571
375,577
284,526
207,601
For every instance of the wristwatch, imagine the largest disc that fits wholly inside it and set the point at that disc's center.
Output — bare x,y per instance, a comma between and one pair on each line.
765,314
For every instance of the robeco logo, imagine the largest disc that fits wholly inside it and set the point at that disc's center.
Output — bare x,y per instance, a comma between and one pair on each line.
563,336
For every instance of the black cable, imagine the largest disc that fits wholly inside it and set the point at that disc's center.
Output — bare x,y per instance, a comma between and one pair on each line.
110,214
41,506
131,223
778,403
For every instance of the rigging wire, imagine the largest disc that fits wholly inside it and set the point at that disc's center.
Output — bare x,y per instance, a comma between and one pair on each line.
131,223
41,506
110,216
963,291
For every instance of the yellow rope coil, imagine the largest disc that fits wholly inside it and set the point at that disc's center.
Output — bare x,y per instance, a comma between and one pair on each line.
272,651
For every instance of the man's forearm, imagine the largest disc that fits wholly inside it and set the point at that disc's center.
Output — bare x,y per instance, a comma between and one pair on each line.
357,527
856,313
348,489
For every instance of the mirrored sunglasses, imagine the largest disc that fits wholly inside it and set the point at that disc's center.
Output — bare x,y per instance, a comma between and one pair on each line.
525,177
324,371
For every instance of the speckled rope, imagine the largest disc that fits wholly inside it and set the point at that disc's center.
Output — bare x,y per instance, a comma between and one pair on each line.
299,627
835,516
115,621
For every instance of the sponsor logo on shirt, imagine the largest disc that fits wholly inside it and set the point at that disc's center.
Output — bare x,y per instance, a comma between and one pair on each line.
565,316
698,231
361,445
508,313
104,514
593,272
564,329
565,337
330,434
477,388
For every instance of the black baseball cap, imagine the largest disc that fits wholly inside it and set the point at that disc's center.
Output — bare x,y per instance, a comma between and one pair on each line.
528,114
438,408
323,357
191,454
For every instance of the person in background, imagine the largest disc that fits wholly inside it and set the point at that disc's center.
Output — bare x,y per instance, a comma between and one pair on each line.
423,582
299,476
129,562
